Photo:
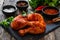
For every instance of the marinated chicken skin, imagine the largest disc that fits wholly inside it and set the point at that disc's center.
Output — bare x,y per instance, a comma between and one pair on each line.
35,28
19,22
35,23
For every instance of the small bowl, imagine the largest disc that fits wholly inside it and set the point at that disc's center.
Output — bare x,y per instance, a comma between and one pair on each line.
50,12
9,10
22,5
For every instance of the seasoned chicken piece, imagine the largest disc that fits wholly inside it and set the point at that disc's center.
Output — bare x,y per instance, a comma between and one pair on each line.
36,24
19,22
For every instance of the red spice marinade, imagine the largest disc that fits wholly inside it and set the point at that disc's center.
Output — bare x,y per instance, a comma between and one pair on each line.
51,11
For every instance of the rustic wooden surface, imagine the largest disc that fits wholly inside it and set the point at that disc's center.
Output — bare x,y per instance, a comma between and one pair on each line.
55,35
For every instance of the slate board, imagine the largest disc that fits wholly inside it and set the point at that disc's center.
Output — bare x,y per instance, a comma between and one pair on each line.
49,28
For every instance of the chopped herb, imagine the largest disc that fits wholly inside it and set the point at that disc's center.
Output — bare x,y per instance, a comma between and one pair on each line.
6,22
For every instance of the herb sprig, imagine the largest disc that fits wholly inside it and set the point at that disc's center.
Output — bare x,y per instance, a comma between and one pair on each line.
7,21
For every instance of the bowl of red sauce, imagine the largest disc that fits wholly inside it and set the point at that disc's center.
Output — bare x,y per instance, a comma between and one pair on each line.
50,12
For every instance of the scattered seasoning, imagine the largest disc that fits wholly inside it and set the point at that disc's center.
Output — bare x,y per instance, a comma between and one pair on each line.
9,10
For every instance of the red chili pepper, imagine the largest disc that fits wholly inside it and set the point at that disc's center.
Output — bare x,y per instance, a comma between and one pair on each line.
39,8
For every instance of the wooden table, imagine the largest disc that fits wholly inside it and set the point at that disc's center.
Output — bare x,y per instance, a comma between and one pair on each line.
55,35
